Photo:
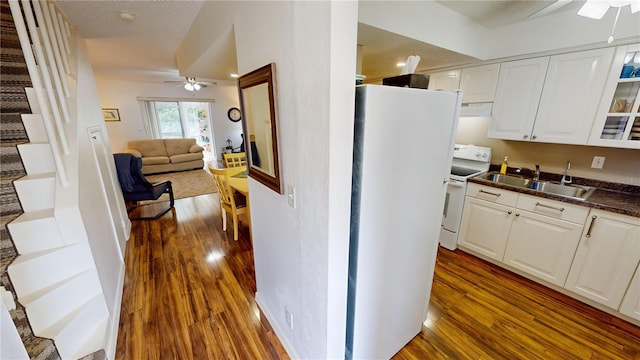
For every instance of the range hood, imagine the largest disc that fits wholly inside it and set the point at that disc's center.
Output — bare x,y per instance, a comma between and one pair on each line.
476,109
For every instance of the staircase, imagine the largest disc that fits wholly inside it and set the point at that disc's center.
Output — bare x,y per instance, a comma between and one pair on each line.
49,262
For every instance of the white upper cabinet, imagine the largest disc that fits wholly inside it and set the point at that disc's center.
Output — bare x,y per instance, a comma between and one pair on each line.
517,97
478,83
570,97
617,122
445,80
562,109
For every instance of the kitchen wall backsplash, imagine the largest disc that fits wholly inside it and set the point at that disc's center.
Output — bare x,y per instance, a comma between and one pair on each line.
621,165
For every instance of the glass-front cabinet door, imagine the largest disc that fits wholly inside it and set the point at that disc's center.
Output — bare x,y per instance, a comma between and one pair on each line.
617,122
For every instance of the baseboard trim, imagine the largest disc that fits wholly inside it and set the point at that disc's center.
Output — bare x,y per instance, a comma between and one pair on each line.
280,333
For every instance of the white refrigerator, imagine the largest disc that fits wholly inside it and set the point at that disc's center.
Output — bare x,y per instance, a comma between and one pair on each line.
403,146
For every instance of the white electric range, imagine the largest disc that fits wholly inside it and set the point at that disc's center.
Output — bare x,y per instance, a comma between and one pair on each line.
468,161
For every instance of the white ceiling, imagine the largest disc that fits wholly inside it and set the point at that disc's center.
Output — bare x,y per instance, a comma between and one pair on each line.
144,49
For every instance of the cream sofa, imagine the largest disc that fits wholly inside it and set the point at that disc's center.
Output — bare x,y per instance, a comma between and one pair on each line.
164,155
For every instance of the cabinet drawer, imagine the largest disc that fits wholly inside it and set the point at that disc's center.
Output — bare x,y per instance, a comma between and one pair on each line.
556,209
488,193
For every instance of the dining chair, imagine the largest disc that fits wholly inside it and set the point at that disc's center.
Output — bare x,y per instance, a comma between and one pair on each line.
235,160
231,201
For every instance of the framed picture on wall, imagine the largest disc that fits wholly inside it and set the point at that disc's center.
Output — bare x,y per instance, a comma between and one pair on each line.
111,114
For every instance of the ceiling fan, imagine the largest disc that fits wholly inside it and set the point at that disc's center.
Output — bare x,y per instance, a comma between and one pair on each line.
594,9
191,84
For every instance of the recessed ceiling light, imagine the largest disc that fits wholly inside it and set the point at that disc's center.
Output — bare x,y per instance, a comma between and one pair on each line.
234,75
400,64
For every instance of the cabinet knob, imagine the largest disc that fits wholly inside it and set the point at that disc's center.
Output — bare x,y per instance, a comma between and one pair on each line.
509,212
534,137
525,136
517,214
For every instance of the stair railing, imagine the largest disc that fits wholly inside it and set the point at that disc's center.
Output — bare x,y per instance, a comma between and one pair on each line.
61,86
52,134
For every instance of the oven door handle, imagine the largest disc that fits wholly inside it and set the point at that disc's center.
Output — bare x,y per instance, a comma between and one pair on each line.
457,183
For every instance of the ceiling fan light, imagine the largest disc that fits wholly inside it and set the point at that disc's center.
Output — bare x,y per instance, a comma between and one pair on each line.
188,87
594,9
196,86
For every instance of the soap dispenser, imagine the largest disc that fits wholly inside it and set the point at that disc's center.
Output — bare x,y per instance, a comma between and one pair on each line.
503,167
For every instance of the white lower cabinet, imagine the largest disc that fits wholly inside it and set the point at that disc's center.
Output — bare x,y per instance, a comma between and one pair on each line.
631,302
591,253
542,246
606,258
485,227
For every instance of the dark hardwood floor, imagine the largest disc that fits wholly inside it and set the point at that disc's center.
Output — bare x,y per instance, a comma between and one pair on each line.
481,311
189,290
189,294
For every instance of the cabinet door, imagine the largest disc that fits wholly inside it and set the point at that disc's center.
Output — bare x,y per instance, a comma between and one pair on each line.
445,80
617,122
631,302
485,227
606,258
542,246
570,97
478,83
517,96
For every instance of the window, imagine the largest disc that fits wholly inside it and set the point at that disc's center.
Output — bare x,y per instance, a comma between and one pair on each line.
181,119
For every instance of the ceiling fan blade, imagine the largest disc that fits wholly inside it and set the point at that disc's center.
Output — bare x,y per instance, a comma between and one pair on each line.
549,9
173,82
594,9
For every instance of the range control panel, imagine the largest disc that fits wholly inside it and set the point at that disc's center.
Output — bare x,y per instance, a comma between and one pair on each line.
472,152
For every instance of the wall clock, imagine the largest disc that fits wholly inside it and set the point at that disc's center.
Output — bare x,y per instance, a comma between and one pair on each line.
234,114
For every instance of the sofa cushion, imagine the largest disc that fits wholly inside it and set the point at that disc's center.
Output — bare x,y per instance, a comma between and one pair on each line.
149,148
196,148
178,146
185,157
155,160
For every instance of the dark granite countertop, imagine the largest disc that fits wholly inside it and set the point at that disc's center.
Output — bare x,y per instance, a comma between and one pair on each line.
618,198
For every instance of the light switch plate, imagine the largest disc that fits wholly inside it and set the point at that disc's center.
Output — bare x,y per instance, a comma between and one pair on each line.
291,196
598,162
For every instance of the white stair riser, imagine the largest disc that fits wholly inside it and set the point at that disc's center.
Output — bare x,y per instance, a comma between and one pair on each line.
32,273
36,231
33,100
47,314
84,334
35,127
36,192
37,158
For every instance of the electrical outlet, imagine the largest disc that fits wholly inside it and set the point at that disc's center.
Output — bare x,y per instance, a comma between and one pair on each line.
598,162
289,318
291,196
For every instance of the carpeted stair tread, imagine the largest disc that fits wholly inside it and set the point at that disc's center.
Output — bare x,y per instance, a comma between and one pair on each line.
14,77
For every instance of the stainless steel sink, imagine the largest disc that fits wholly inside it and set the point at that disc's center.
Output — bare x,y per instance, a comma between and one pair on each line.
573,191
507,179
578,192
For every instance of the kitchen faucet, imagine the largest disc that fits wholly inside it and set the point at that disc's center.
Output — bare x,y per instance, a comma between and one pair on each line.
537,176
564,180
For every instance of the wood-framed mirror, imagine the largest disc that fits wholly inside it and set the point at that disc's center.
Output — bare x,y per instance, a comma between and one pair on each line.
257,91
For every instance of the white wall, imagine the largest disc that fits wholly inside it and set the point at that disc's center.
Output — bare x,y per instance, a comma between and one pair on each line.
122,94
300,254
